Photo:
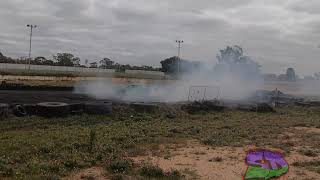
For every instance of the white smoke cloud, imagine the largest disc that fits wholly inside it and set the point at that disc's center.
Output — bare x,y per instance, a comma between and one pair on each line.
199,85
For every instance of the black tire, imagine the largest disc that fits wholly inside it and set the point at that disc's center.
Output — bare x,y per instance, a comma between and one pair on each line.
98,108
77,108
192,108
31,109
247,107
195,107
264,108
19,111
314,103
53,109
213,106
4,111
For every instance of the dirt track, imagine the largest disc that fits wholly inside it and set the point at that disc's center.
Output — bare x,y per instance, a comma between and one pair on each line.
29,97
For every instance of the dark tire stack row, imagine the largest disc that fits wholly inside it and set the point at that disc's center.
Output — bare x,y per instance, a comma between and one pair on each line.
144,107
4,111
259,107
195,107
53,109
19,111
98,108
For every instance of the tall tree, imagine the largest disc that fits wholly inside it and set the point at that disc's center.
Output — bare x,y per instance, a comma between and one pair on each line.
93,65
231,60
39,60
2,58
106,63
291,74
173,64
317,76
66,59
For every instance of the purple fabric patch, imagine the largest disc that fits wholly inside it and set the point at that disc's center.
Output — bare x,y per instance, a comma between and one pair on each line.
266,159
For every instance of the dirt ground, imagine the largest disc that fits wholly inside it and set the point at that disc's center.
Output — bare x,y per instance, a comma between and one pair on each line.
197,161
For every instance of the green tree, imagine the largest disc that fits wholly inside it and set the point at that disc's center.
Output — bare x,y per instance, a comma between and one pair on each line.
106,63
231,60
93,65
317,75
66,59
291,74
173,64
42,61
39,60
4,59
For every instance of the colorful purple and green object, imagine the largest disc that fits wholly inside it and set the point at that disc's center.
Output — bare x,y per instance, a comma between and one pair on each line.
265,164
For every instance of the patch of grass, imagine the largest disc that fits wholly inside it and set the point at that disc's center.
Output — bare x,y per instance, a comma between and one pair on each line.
310,165
308,152
6,169
88,177
216,159
117,177
92,140
150,171
119,166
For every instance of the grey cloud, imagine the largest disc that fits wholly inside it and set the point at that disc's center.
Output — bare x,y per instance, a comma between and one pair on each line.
277,34
311,6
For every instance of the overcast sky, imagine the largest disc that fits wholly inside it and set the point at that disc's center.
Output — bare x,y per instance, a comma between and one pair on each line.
276,33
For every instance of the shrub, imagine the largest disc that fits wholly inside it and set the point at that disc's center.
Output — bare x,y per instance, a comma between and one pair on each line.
119,166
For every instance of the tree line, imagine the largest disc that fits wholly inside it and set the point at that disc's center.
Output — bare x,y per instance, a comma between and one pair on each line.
68,59
230,61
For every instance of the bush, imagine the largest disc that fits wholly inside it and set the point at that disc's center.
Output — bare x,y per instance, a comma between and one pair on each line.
119,166
151,171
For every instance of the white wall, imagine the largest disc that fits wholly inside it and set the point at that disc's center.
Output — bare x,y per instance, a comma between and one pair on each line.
65,69
8,67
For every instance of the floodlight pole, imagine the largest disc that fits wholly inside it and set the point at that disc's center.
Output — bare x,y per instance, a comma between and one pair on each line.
179,50
30,43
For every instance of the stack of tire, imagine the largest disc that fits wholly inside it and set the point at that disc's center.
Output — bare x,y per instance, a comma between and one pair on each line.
57,109
98,108
144,107
195,107
258,107
4,111
53,109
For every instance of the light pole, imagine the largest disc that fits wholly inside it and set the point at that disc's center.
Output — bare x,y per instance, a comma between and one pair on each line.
30,45
179,49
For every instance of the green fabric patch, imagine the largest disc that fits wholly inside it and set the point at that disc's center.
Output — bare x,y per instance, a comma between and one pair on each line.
261,173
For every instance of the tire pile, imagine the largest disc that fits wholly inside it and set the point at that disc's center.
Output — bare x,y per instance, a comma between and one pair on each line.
259,107
55,109
308,103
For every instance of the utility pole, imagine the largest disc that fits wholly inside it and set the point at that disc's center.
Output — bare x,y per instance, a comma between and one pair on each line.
179,50
30,45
